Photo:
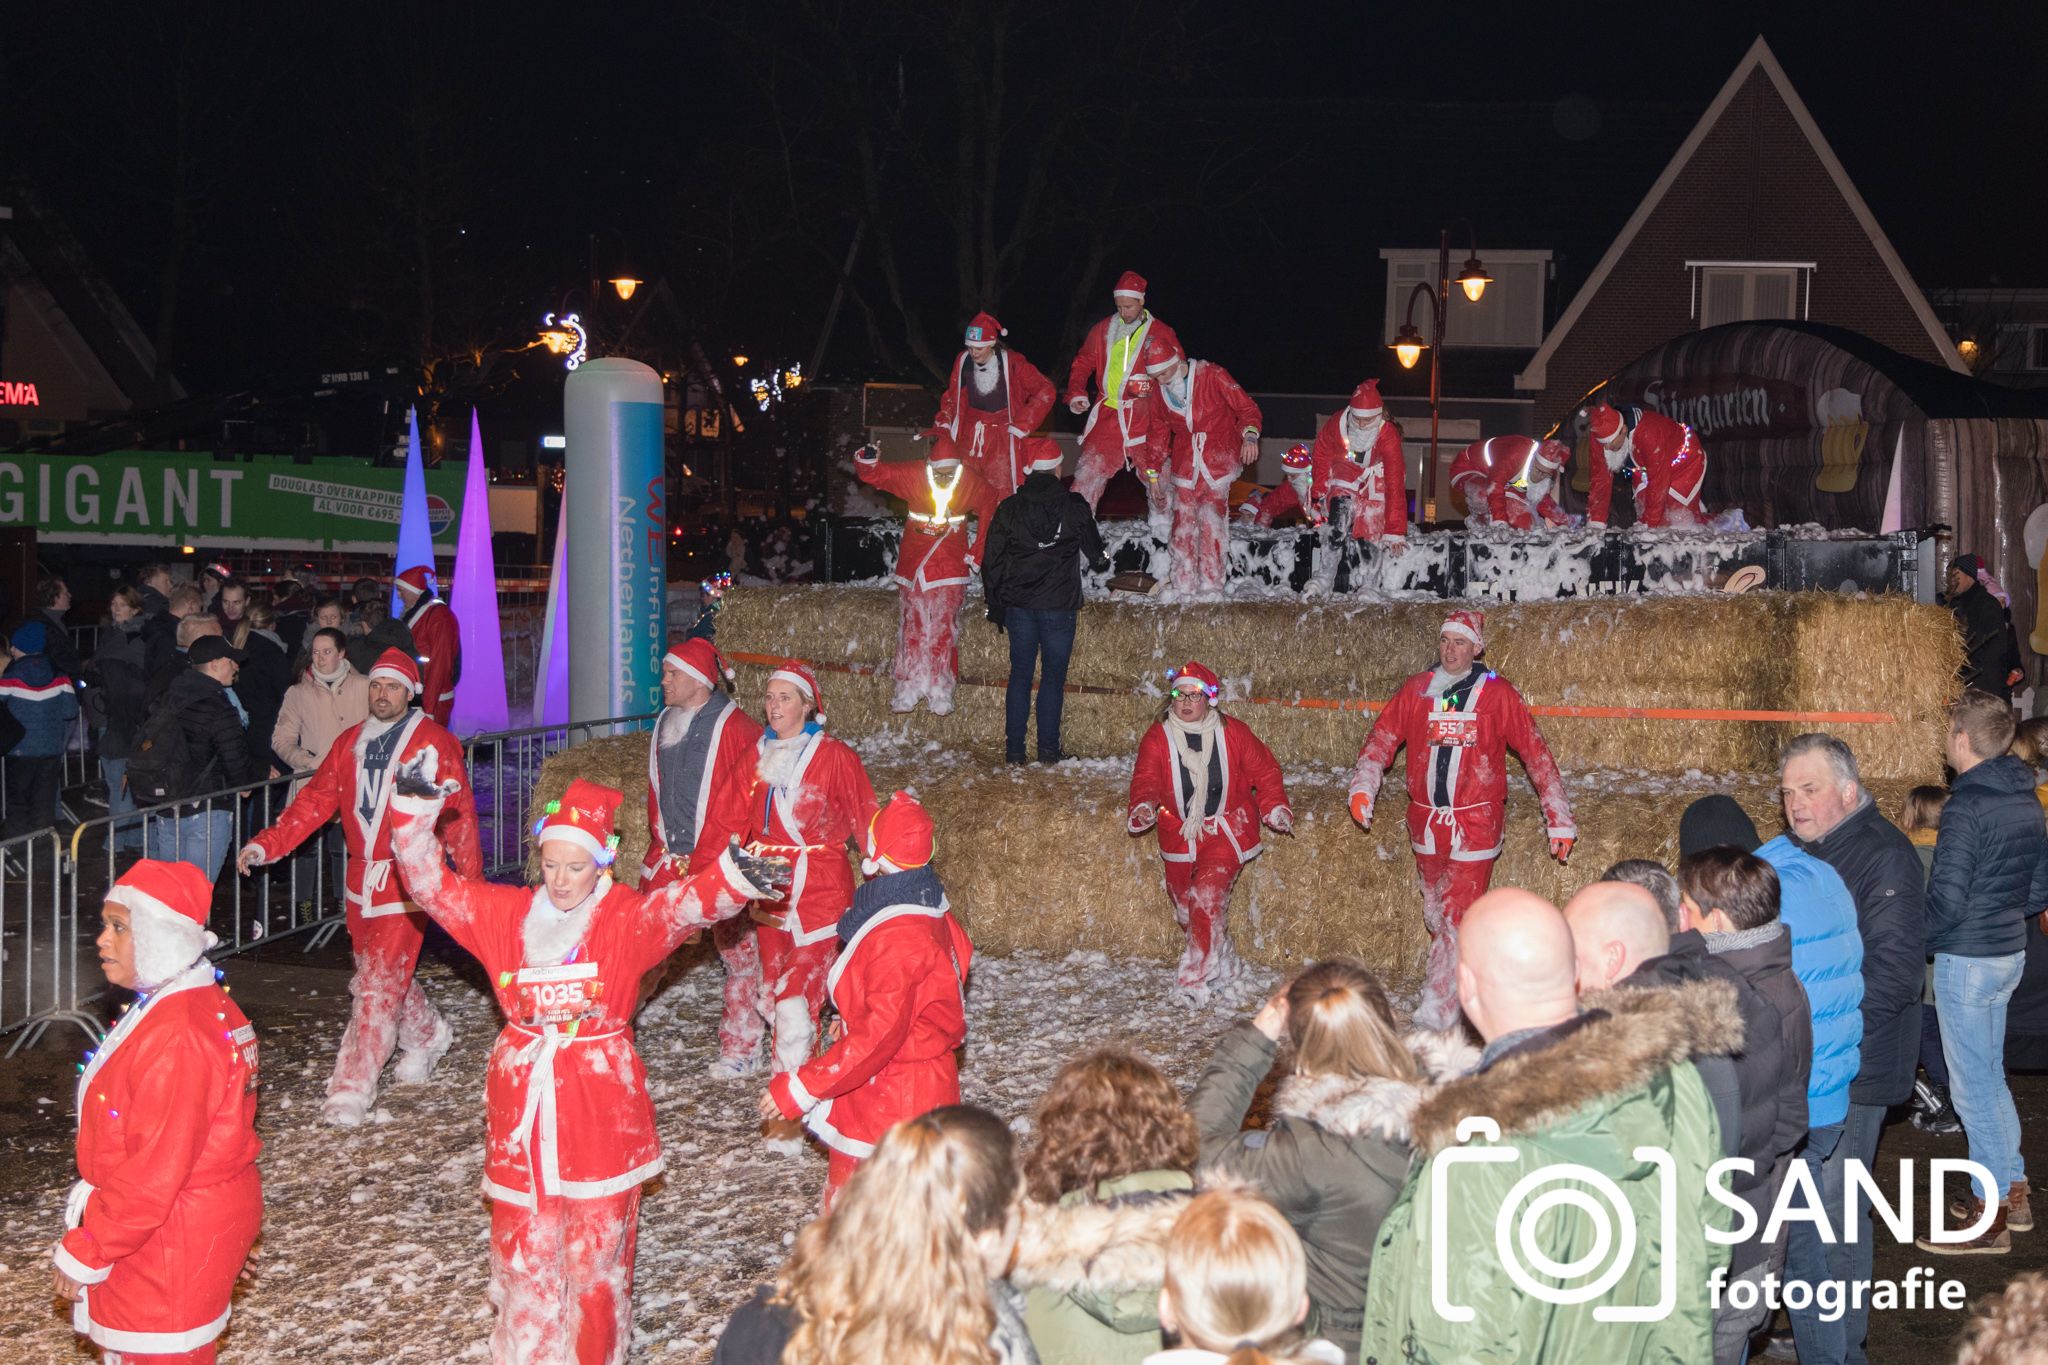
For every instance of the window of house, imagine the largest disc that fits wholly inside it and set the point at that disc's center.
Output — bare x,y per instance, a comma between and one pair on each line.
1508,314
2037,347
1749,291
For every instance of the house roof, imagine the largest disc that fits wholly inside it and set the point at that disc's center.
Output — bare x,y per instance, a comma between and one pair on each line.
1936,390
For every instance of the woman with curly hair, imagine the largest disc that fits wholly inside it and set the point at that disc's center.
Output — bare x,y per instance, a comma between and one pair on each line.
907,1267
1108,1174
1335,1154
1235,1291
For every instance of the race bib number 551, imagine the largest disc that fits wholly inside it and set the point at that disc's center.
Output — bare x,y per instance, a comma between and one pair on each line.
1453,729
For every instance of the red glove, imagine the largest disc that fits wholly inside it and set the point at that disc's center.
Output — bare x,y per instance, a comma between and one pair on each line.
1561,849
1361,809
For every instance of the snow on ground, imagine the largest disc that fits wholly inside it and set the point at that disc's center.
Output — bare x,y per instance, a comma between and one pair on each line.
375,1239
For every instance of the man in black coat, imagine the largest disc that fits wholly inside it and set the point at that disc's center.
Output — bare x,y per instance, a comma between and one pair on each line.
159,626
1031,579
217,751
1990,651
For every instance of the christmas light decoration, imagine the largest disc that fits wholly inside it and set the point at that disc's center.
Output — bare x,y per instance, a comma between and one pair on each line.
566,337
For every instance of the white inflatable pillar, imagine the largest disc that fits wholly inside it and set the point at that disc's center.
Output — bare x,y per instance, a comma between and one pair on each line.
618,538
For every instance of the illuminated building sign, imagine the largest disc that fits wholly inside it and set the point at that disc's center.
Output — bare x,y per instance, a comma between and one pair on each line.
13,395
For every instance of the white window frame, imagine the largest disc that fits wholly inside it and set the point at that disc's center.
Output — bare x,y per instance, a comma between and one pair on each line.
1397,300
1802,284
2037,346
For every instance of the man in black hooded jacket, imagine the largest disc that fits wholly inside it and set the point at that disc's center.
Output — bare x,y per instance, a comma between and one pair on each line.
1990,650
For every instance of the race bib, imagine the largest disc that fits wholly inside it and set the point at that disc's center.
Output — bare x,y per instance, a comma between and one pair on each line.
244,1039
1452,729
556,995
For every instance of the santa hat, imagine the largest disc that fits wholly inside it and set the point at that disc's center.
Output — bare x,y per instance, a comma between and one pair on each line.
399,666
798,673
1298,456
1551,455
1044,455
584,817
1200,675
1365,401
1605,424
420,578
900,832
699,659
1467,624
167,904
1130,285
984,330
1161,355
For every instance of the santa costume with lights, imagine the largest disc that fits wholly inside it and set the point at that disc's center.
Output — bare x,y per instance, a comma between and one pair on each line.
1214,429
168,1200
934,561
1123,417
384,927
700,767
569,1124
1290,497
1360,479
897,986
1660,459
437,634
992,402
1458,720
1511,481
1207,785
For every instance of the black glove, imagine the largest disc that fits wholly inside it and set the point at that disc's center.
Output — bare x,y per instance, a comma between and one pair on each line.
1099,565
995,617
770,874
415,779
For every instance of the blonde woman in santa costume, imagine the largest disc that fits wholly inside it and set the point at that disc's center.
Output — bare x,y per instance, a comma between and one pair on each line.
811,798
569,1124
1207,782
994,400
168,1200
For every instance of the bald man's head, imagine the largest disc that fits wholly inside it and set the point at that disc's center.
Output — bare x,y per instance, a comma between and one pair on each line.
1616,926
1516,969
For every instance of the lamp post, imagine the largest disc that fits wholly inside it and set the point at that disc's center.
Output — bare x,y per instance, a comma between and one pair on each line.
1409,343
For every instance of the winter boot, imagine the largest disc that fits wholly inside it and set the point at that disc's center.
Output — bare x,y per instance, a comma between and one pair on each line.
346,1110
2019,1208
1933,1112
733,1068
904,699
1993,1241
940,702
415,1064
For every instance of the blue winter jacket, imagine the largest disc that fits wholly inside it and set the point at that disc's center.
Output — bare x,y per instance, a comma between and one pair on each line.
1989,874
44,701
1827,957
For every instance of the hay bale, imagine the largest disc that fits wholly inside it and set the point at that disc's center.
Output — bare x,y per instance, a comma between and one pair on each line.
619,762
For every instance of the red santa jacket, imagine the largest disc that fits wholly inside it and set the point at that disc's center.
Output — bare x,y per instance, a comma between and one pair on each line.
934,552
1252,790
1376,482
722,811
1030,400
1457,759
567,1111
169,1199
438,637
1286,498
1134,407
1208,432
335,786
1489,472
1669,464
897,987
824,801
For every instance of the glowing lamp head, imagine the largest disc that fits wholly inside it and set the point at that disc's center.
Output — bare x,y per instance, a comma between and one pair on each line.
1408,345
738,360
1473,279
624,286
1967,349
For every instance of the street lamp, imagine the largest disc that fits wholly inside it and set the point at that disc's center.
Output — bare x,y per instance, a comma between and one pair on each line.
1409,344
625,285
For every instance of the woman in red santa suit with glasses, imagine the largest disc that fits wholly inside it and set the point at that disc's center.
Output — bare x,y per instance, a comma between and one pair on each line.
1207,782
168,1200
569,1124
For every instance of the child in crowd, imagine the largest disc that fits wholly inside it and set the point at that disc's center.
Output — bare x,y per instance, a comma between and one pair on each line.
1236,1287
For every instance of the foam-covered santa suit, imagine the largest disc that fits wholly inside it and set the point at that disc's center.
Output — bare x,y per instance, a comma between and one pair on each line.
1662,460
384,927
1207,784
1360,480
1123,419
1214,426
569,1124
1289,497
168,1200
1458,727
897,987
700,768
1510,481
934,561
437,635
990,405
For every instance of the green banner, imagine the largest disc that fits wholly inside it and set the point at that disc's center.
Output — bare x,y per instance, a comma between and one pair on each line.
149,497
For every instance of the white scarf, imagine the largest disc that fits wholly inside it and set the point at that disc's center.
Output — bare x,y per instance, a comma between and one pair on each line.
1196,762
779,758
1361,436
1441,682
331,681
549,935
674,724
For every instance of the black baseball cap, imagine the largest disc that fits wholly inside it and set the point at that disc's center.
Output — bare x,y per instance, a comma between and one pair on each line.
207,648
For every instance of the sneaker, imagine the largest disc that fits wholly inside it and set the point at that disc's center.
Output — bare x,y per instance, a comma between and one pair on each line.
346,1111
1015,760
2019,1208
1993,1241
1944,1122
1779,1346
733,1068
1057,756
415,1064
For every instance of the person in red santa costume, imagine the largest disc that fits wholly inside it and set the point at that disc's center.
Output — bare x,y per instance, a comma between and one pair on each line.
700,768
1290,497
1207,783
1360,481
1510,481
1458,720
1214,426
994,400
903,961
437,634
1662,460
934,563
811,797
168,1200
1123,420
384,928
569,1124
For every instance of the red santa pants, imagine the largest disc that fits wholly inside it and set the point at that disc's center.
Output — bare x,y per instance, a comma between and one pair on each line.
1445,842
839,1169
1200,891
984,444
389,1008
793,991
740,1026
927,647
562,1279
1200,533
205,1355
1103,453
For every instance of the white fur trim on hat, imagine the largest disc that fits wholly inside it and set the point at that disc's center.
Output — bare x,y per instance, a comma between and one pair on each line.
166,942
798,680
412,685
1462,631
574,834
675,660
1127,293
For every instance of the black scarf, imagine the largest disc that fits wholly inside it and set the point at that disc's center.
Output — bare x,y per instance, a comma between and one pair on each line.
918,886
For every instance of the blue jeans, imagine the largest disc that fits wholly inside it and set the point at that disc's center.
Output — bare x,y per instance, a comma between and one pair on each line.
203,838
126,833
1972,994
1035,635
1847,1260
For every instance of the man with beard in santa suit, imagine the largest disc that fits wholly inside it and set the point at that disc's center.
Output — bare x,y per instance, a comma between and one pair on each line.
1123,419
1662,460
1214,426
1510,481
700,767
934,562
994,400
437,634
1360,483
1458,720
384,928
1290,497
569,1125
